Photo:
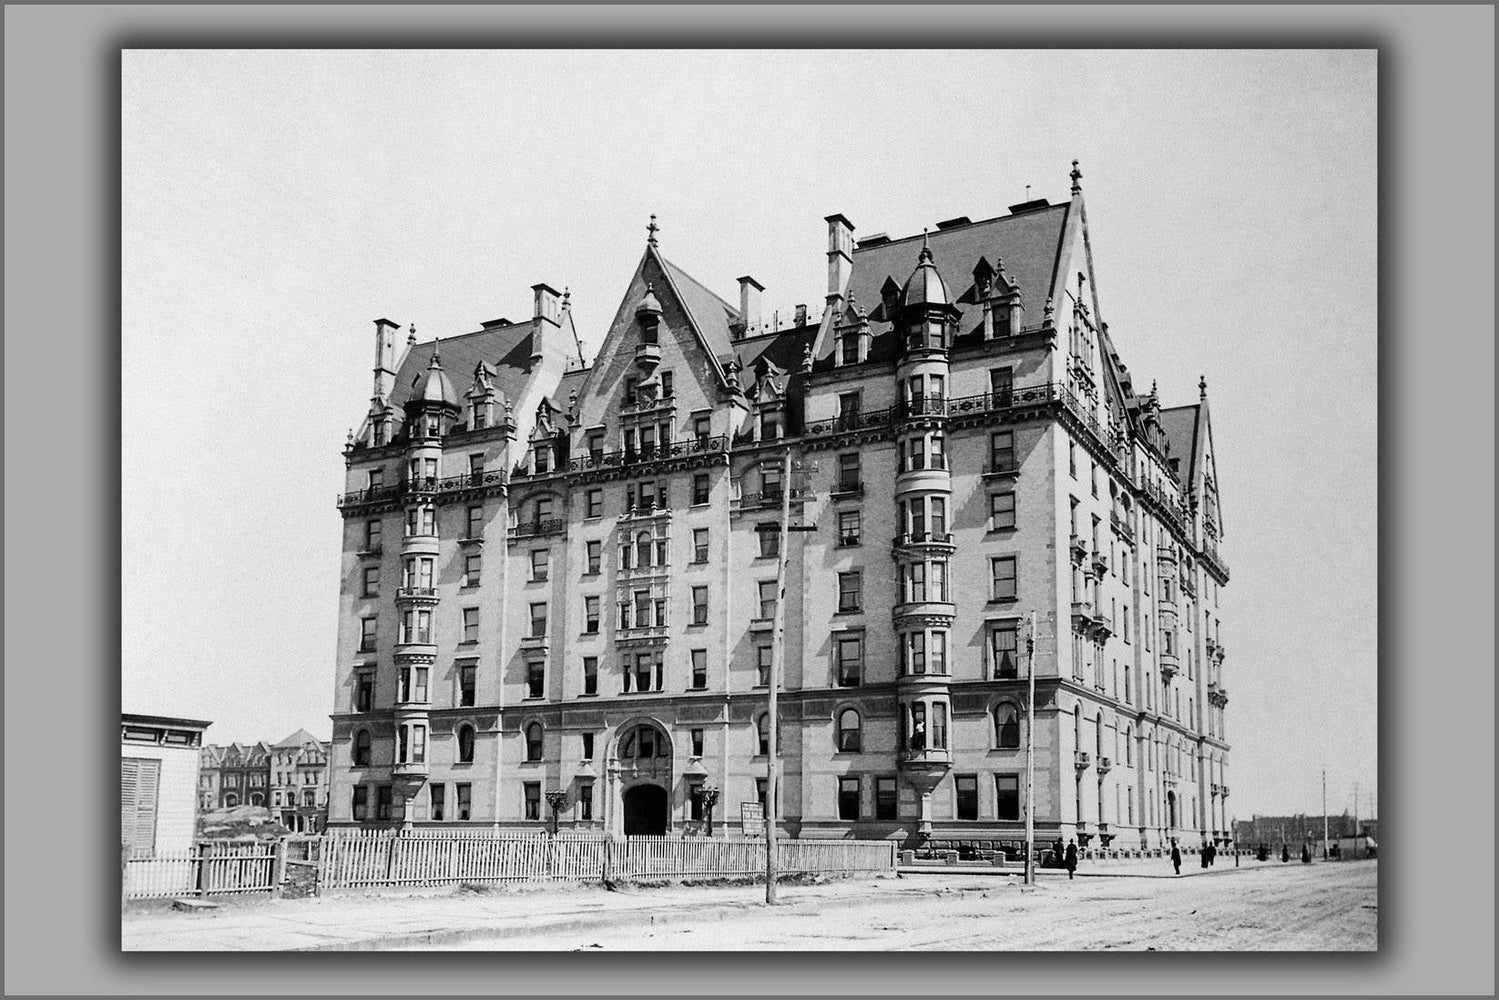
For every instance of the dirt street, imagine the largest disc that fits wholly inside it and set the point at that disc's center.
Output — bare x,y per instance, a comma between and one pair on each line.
1324,907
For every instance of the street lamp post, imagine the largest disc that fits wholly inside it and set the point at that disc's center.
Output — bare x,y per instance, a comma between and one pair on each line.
709,794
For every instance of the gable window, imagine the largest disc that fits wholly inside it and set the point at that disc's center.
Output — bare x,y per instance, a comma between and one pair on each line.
850,660
850,731
848,528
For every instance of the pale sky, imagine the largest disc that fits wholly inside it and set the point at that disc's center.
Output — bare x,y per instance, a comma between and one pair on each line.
275,202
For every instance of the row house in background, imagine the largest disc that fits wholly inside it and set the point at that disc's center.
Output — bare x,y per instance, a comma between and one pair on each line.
299,782
238,774
558,578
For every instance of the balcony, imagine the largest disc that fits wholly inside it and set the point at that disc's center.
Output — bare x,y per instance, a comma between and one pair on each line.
597,460
769,498
1081,759
1078,546
647,355
644,512
1223,790
417,595
1170,664
925,541
538,529
918,407
1105,765
1165,553
1217,788
847,490
1121,527
1100,565
537,643
1188,585
1214,560
410,769
926,757
641,635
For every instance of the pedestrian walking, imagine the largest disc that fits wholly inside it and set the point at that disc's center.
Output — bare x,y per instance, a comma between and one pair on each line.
1056,854
1071,858
1202,859
1285,853
1212,854
1306,855
1176,857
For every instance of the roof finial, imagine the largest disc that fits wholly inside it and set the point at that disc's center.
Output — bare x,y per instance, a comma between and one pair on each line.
1202,387
436,350
1077,176
411,336
1152,390
651,230
567,298
926,251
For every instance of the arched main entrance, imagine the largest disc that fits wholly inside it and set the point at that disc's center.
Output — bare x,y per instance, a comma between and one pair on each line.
645,811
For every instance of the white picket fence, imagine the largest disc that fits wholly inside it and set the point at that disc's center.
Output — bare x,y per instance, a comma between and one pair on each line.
205,869
359,858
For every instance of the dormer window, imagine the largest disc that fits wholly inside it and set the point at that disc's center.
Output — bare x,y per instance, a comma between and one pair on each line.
666,385
379,433
541,461
480,416
649,331
770,425
849,348
596,446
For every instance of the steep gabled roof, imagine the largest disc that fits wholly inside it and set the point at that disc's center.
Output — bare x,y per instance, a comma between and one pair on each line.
1028,244
506,349
709,313
1180,424
297,739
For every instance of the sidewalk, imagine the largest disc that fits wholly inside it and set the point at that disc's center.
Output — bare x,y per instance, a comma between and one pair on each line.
393,920
1133,868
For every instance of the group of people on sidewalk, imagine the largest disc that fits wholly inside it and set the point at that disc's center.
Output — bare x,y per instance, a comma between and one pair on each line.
1208,855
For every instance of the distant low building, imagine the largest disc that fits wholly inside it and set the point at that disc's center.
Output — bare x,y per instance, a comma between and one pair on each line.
1298,828
159,760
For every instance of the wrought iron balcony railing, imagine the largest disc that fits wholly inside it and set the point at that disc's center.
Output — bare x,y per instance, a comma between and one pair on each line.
423,485
596,460
535,529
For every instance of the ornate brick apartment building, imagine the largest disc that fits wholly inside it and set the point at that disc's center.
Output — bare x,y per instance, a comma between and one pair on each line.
558,577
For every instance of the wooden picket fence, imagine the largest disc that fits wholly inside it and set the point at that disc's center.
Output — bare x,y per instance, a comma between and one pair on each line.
208,868
419,858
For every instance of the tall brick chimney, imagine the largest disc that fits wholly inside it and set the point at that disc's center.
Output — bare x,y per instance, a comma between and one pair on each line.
548,304
749,304
840,253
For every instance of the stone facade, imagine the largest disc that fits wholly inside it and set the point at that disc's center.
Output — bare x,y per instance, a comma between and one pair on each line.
560,577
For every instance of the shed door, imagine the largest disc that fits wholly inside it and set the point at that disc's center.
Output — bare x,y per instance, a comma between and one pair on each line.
140,781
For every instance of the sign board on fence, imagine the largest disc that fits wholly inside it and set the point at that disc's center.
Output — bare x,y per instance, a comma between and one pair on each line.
752,817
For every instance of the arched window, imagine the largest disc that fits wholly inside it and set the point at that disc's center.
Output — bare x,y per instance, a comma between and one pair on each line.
643,549
362,748
1007,727
257,799
465,744
849,731
643,742
533,741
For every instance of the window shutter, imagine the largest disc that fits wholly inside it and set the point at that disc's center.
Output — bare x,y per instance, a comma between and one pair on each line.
139,787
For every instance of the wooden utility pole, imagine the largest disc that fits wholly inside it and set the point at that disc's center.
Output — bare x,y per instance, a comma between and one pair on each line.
1324,814
1030,753
778,654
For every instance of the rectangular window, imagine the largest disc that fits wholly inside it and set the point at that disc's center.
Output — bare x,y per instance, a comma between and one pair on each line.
1095,477
770,481
476,521
595,556
587,741
595,502
1007,796
540,564
538,620
471,568
702,428
699,605
848,798
760,791
770,539
848,527
372,536
884,798
700,488
648,671
1001,380
1002,571
541,459
763,655
470,624
371,582
1004,653
1001,511
437,795
585,801
699,669
382,802
1072,459
466,681
848,472
697,743
968,796
376,479
361,805
850,591
850,661
364,691
533,799
367,634
536,679
767,598
462,799
694,800
1002,451
848,402
590,675
591,614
